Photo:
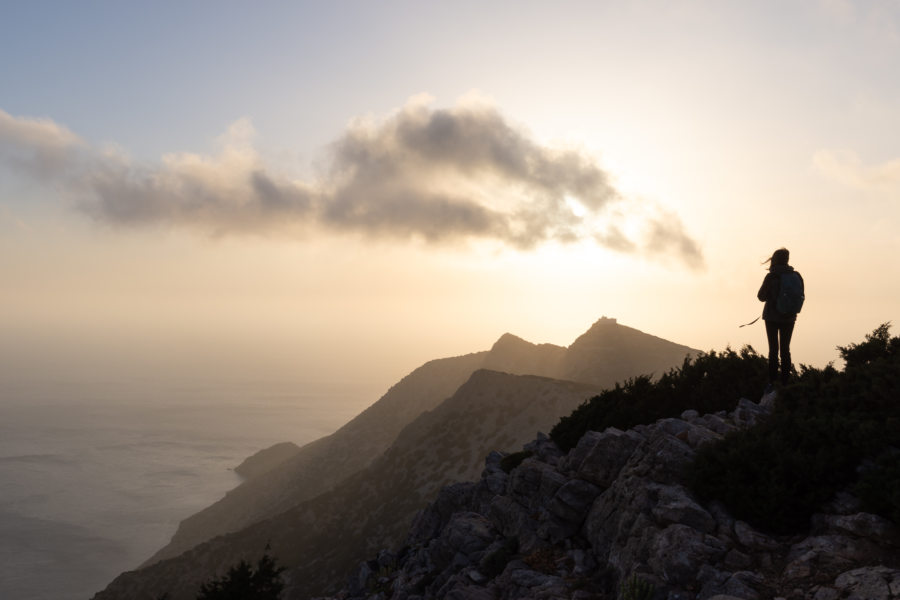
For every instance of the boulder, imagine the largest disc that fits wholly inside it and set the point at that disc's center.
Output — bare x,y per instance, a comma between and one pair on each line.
599,457
828,552
674,504
572,500
869,583
467,533
534,482
545,449
677,554
866,525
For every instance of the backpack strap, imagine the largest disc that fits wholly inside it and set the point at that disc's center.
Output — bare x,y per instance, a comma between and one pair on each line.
751,322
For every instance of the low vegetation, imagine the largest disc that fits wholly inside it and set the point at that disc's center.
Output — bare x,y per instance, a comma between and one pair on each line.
636,588
830,430
709,382
244,582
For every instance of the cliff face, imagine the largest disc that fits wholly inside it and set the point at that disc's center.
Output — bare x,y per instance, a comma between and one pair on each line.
606,353
613,517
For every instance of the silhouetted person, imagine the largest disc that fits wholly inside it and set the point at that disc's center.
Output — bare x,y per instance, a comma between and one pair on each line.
782,291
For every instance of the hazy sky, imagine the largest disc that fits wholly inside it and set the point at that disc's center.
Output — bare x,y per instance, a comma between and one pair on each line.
302,190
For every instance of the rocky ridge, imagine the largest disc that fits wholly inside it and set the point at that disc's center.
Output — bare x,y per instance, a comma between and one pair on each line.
614,516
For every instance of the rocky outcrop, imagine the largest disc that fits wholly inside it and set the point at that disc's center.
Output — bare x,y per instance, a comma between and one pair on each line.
614,515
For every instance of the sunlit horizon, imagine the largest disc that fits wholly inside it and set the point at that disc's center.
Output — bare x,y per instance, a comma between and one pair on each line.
236,205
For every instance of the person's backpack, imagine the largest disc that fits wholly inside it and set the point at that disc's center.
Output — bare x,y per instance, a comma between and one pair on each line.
791,296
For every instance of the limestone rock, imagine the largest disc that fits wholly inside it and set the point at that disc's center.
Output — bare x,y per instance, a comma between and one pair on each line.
865,525
675,505
679,551
869,583
599,457
617,506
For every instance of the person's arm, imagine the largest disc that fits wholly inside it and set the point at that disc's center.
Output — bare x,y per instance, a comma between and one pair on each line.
763,293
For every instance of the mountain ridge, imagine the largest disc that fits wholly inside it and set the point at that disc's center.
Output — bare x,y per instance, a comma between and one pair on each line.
279,503
323,463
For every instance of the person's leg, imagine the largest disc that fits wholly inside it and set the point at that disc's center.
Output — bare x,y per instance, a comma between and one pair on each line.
786,330
772,335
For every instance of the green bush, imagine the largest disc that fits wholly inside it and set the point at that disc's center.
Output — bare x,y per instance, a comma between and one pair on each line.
879,486
824,427
877,346
243,582
636,589
708,383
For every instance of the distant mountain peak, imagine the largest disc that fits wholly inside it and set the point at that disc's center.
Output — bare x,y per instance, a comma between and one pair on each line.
512,354
608,349
508,340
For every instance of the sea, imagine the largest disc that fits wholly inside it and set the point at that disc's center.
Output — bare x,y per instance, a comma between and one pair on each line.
95,477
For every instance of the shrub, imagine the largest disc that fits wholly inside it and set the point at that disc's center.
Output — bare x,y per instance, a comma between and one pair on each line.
708,383
879,486
824,427
878,344
636,589
243,582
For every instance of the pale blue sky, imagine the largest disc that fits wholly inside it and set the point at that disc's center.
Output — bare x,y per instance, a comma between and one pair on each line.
742,125
149,76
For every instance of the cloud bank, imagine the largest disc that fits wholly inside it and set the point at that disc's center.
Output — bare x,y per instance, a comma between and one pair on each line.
440,175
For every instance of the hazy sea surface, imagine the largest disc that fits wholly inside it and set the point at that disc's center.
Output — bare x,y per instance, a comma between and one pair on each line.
95,478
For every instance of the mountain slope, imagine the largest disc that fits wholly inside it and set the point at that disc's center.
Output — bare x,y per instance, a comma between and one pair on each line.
606,353
321,464
607,350
322,538
266,460
294,496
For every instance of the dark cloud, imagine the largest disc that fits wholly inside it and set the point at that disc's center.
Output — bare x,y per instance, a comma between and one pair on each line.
242,201
461,172
440,175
